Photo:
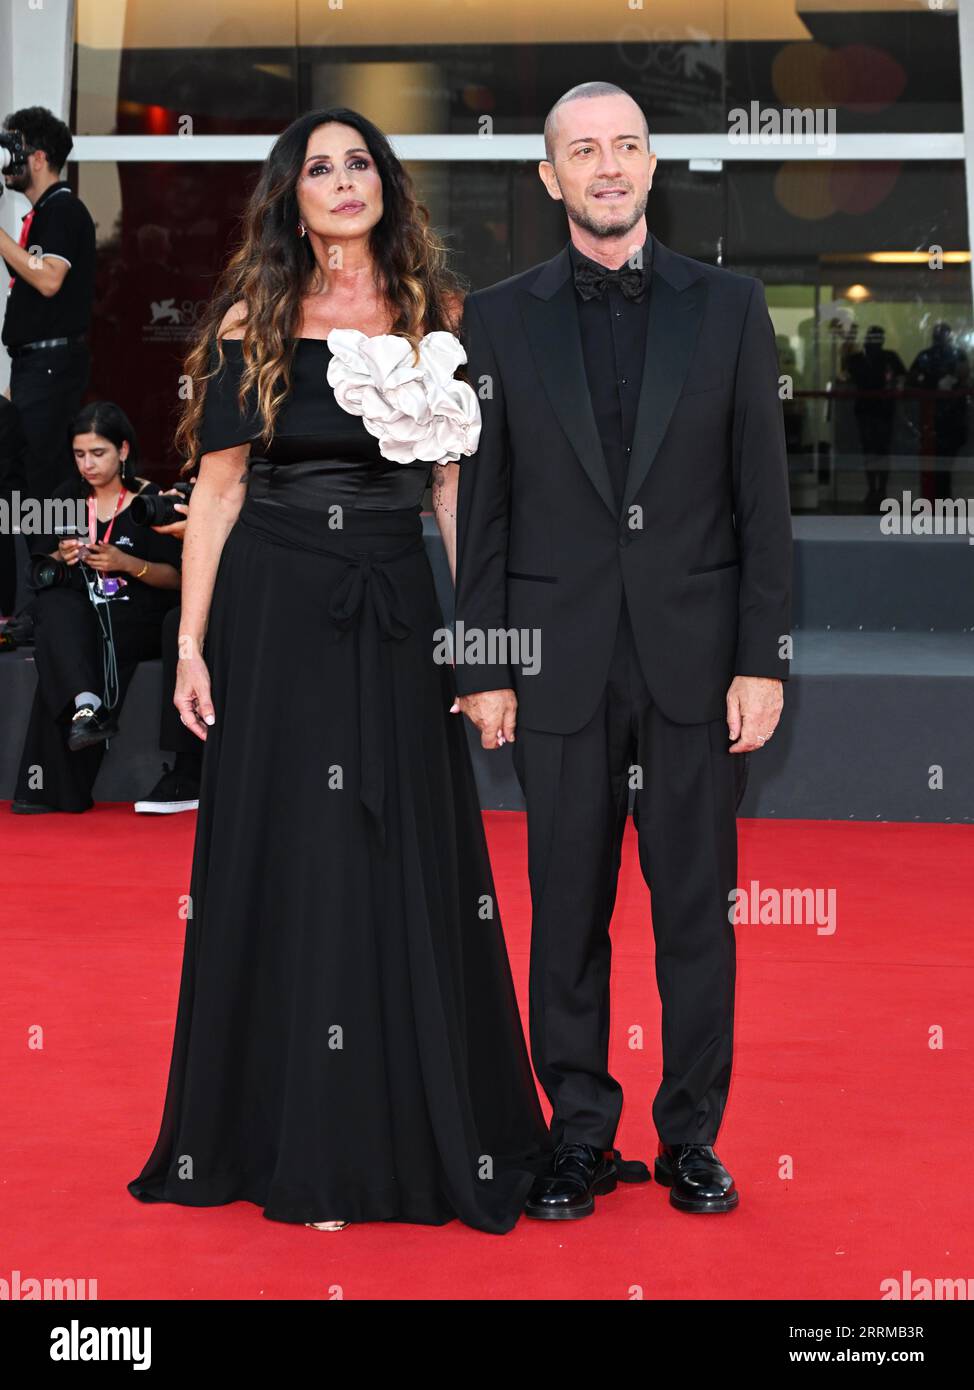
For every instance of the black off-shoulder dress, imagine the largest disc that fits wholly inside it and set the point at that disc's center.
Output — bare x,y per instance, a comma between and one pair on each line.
347,1040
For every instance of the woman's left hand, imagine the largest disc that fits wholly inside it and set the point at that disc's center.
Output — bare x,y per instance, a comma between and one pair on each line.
107,558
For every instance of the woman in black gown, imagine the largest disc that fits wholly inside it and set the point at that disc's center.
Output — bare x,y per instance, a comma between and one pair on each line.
347,1042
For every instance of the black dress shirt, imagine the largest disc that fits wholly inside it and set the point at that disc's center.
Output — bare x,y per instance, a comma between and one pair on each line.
613,331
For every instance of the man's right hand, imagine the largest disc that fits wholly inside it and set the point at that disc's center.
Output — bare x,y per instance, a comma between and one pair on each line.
175,528
493,712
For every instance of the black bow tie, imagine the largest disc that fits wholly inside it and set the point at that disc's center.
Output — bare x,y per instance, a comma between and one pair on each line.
591,280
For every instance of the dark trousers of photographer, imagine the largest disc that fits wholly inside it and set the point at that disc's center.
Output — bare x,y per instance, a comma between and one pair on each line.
68,656
47,386
11,483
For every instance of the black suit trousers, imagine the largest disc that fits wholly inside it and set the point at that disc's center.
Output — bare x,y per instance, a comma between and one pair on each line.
577,792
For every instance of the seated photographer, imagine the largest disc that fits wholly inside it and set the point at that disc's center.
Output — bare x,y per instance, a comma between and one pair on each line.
101,596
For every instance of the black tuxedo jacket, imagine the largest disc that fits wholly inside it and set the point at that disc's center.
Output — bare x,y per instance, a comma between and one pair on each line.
702,546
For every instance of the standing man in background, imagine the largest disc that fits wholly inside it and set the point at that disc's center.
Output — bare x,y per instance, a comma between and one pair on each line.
52,286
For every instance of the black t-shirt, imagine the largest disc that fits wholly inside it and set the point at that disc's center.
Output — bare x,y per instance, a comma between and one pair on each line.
62,227
137,540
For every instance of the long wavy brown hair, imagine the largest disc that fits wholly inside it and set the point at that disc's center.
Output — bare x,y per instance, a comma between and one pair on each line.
272,269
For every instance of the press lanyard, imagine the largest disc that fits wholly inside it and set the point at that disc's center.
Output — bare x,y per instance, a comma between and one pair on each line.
93,519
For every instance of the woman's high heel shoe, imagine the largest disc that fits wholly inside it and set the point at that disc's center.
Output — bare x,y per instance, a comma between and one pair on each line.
327,1225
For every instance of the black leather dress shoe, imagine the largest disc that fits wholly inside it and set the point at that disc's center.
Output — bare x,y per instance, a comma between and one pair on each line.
578,1175
697,1179
90,726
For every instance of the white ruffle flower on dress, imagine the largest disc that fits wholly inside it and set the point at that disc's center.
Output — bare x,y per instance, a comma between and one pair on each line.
416,410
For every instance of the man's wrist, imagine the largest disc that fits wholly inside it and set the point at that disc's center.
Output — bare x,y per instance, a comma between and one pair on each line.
479,679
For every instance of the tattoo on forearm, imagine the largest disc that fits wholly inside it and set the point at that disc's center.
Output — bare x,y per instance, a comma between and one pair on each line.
439,489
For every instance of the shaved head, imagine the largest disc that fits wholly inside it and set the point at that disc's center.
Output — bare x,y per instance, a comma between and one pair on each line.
584,91
599,165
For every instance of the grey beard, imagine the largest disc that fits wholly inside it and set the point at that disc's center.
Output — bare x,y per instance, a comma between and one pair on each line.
598,229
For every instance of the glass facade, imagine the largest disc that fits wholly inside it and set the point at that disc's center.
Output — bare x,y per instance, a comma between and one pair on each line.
436,66
866,263
862,262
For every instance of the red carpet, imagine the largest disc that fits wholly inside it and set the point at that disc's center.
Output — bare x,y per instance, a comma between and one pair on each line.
834,1071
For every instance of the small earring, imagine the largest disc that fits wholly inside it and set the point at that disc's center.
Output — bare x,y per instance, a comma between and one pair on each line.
300,227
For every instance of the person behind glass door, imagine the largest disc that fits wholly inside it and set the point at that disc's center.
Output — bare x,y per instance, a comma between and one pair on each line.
877,372
941,375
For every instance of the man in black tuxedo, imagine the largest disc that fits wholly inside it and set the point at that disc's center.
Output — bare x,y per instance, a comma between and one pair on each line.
628,506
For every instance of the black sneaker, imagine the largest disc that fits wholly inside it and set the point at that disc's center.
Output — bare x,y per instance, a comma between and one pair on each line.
173,792
90,726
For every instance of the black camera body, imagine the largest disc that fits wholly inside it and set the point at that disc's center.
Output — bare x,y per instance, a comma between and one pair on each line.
46,572
51,572
13,153
158,509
